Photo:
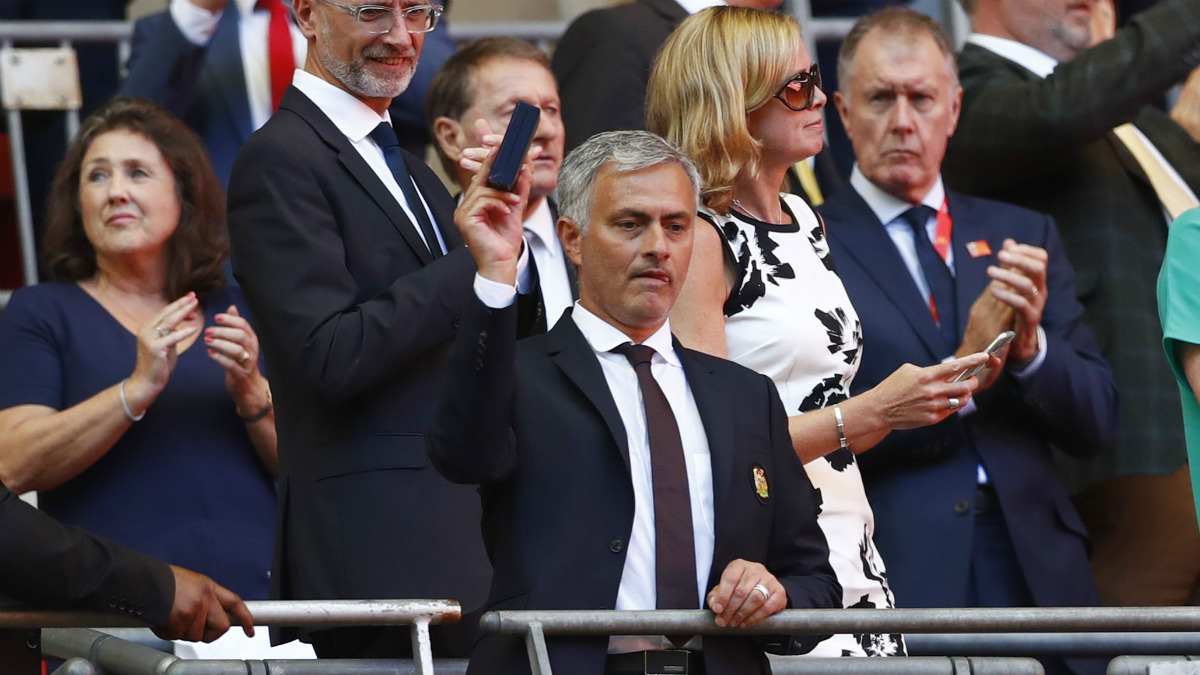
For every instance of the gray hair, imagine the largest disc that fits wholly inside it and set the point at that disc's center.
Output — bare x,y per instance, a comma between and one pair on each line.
624,151
897,21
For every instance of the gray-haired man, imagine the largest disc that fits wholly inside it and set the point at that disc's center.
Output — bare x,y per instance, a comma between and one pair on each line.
620,470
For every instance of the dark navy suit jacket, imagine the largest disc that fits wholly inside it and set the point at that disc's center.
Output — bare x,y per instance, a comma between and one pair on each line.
921,483
536,426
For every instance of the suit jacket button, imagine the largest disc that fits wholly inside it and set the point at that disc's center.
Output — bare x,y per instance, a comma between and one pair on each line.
961,507
616,546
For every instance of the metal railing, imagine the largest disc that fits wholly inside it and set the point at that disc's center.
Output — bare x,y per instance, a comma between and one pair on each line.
120,657
536,625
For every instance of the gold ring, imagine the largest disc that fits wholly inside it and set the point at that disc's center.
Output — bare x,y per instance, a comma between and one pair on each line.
243,357
1034,293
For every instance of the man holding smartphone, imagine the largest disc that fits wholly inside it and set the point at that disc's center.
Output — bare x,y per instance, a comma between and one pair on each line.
969,512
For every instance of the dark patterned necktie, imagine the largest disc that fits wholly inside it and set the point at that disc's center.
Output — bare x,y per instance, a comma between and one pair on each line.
675,547
937,275
385,138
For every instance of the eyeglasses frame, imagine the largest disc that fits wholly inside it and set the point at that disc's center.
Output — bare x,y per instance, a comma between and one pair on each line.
356,10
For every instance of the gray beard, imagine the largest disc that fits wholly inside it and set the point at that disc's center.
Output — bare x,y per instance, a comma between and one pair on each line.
355,77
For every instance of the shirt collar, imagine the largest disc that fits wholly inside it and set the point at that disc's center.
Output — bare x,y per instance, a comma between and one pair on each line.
541,223
355,119
693,6
603,336
1034,60
887,207
245,7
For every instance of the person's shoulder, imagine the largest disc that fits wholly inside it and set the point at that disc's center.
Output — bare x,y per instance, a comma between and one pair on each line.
735,374
44,296
992,211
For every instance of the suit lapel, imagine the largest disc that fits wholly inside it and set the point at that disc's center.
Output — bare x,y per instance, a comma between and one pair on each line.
970,273
712,402
862,237
669,9
225,57
571,353
428,184
295,101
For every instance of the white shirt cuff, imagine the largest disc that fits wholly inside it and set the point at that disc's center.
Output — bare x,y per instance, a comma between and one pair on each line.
196,24
524,275
493,293
1038,359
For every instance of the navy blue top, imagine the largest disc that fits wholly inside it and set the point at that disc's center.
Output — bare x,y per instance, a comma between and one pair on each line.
184,484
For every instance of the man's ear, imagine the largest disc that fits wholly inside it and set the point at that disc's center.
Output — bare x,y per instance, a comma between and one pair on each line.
304,17
571,237
450,137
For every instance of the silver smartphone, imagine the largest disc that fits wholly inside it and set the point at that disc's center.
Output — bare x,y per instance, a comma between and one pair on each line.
999,343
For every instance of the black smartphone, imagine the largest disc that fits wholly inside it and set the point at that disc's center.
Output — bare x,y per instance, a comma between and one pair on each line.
999,343
521,127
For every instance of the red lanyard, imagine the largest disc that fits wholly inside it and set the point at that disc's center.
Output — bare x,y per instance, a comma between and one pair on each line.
941,238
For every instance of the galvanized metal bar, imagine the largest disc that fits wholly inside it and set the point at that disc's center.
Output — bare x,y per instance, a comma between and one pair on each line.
916,665
816,621
1142,665
535,644
265,613
422,649
352,612
1058,644
109,653
16,139
75,31
76,666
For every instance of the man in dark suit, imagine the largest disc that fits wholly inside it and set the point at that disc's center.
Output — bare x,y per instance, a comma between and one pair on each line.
675,487
1045,125
969,512
603,65
346,249
44,562
484,80
211,63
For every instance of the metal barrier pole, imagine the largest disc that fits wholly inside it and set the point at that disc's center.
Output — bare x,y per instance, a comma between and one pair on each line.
535,644
21,187
915,665
700,622
1144,665
1058,644
110,654
76,666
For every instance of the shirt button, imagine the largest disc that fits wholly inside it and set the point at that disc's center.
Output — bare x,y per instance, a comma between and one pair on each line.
961,507
616,546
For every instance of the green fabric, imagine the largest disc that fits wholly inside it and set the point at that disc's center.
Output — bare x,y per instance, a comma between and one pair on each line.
1179,311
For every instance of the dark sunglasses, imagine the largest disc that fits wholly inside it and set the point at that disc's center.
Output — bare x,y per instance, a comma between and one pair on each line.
799,91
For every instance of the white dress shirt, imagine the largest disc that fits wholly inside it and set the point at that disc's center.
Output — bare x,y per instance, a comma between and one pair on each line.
198,26
542,242
637,589
357,120
1042,65
693,6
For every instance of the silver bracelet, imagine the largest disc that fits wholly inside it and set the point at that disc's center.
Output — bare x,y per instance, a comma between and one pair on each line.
125,404
837,415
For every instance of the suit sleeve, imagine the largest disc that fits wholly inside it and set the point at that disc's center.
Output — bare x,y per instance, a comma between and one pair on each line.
164,66
1011,125
472,440
602,67
1073,393
291,259
45,562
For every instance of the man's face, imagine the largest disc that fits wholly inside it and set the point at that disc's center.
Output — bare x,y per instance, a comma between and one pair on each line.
634,256
1060,28
900,110
375,68
498,84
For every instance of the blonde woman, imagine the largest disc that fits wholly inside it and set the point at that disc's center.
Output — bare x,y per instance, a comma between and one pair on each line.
736,89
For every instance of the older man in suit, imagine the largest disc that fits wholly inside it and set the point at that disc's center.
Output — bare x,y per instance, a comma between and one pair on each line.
620,470
223,65
970,512
484,80
1052,125
346,249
